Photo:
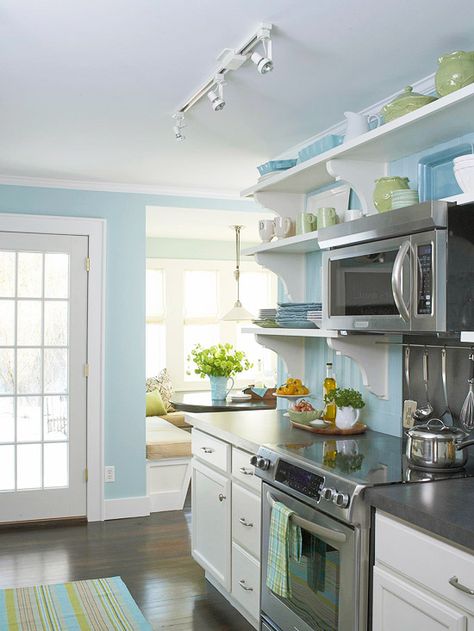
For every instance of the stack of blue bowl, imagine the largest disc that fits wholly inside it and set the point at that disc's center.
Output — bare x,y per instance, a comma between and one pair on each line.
292,315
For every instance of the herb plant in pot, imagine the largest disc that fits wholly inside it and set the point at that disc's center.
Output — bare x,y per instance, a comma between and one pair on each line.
220,363
348,402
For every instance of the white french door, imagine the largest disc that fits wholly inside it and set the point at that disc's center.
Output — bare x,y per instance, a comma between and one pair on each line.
43,388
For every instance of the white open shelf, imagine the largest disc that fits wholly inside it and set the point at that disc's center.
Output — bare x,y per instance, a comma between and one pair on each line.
274,332
299,244
467,336
449,117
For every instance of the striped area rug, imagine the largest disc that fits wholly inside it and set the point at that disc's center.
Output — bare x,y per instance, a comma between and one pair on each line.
102,604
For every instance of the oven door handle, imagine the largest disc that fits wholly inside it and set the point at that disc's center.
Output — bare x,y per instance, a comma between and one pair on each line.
331,536
397,272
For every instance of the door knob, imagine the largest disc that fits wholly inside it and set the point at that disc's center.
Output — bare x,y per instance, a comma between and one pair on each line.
221,497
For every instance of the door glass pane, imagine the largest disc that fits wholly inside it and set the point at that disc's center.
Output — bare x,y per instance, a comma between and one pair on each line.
29,371
7,274
30,275
7,420
55,465
7,371
29,322
155,348
7,467
255,291
55,370
55,418
28,419
200,294
28,466
204,334
56,275
55,323
7,322
154,293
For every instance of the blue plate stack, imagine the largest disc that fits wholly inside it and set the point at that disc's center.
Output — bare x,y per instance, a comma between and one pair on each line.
295,315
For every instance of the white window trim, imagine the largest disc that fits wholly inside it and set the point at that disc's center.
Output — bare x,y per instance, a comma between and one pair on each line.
174,310
95,230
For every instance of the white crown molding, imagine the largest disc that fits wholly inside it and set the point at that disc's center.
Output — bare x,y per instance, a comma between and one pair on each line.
116,187
425,86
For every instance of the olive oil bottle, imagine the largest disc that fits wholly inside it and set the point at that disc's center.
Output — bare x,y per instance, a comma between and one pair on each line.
329,385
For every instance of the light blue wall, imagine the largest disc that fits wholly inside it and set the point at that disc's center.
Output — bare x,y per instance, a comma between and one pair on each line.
125,305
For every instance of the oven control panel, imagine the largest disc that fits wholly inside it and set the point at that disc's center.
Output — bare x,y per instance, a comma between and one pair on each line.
425,288
298,479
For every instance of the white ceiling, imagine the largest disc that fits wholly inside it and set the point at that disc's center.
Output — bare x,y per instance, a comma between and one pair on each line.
209,225
88,87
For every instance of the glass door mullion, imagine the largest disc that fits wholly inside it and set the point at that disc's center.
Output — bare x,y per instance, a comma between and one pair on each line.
42,368
15,376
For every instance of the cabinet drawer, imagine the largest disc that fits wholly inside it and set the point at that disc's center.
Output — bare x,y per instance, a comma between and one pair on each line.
211,450
246,581
246,519
430,562
243,471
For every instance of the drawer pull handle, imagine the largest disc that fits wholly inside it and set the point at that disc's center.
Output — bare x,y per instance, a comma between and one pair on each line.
454,581
246,523
244,586
207,450
221,497
245,471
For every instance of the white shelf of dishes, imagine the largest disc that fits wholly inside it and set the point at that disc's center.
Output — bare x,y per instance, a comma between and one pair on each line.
298,244
276,332
449,117
467,336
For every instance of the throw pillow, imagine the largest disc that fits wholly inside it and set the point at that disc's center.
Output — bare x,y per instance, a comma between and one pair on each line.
154,404
162,383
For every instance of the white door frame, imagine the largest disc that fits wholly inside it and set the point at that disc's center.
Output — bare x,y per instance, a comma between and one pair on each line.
95,229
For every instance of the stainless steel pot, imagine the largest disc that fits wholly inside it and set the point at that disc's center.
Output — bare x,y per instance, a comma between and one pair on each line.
434,445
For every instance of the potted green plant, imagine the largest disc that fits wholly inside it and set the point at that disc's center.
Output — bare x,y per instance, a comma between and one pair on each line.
220,363
348,402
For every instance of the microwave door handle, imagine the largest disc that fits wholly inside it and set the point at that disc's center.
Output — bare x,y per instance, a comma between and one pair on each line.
331,536
397,273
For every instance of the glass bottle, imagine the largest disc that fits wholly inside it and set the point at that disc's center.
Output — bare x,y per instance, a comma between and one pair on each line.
329,385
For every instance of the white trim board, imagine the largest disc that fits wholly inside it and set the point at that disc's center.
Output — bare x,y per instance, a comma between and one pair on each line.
95,229
125,507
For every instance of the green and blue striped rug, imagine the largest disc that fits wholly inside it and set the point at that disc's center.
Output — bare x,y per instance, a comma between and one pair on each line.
102,604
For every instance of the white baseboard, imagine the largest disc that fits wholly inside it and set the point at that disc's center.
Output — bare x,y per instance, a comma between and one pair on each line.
127,507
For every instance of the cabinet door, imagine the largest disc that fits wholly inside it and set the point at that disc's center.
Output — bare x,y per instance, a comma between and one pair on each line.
211,518
399,604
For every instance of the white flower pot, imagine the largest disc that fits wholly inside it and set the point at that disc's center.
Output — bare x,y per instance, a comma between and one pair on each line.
346,417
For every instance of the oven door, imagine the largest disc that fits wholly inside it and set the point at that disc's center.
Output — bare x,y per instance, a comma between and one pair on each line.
324,582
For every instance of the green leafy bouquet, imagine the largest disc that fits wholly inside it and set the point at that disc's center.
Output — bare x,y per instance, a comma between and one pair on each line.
345,397
221,360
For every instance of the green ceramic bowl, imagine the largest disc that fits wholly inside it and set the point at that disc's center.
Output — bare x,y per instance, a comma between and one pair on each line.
304,418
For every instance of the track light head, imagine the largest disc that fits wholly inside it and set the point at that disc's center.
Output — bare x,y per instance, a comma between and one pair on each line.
178,127
217,102
178,133
264,64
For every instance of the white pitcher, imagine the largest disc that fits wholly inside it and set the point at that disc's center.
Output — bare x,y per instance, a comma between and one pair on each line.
358,124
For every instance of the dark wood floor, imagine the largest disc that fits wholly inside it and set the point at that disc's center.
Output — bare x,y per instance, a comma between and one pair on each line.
152,555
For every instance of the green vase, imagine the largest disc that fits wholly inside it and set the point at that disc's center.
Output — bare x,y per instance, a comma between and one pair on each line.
383,188
455,71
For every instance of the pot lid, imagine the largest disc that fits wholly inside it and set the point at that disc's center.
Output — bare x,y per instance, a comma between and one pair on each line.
435,427
408,94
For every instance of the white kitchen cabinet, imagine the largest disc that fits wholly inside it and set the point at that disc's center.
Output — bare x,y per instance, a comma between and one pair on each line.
413,580
246,519
211,522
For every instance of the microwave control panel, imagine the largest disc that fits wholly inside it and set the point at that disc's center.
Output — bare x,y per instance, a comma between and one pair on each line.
425,288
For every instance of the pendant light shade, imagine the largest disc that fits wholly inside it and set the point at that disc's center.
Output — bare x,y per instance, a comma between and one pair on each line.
238,313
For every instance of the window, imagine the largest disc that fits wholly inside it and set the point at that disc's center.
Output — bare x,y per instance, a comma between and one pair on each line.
185,301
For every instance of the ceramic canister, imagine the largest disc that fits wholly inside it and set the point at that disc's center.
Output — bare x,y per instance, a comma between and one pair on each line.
383,189
455,71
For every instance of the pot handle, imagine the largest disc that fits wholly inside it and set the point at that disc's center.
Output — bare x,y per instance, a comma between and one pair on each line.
465,443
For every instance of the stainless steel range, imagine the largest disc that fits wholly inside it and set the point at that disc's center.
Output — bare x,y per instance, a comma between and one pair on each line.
323,482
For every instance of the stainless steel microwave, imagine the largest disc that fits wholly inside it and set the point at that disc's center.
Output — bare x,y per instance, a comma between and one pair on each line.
409,270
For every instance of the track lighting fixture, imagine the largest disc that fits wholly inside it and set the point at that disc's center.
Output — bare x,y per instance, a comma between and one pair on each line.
229,60
217,97
178,127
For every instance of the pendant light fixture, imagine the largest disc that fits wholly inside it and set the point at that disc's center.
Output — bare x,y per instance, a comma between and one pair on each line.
238,313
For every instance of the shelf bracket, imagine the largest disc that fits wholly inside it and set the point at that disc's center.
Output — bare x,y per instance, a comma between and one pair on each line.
372,359
361,175
290,268
288,349
284,204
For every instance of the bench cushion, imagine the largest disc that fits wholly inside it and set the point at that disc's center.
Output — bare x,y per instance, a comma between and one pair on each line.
164,440
177,419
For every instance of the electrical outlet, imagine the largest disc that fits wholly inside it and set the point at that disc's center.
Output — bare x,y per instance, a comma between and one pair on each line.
109,474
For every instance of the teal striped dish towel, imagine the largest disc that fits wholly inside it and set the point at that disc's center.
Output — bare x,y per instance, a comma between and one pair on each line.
284,541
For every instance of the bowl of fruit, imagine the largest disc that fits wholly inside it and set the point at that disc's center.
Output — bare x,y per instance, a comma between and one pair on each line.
292,389
303,412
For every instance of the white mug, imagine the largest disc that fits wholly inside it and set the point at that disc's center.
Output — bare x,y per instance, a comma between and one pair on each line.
283,227
266,230
346,417
358,124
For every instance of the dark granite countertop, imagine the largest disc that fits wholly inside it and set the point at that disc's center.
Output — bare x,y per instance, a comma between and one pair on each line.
444,508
